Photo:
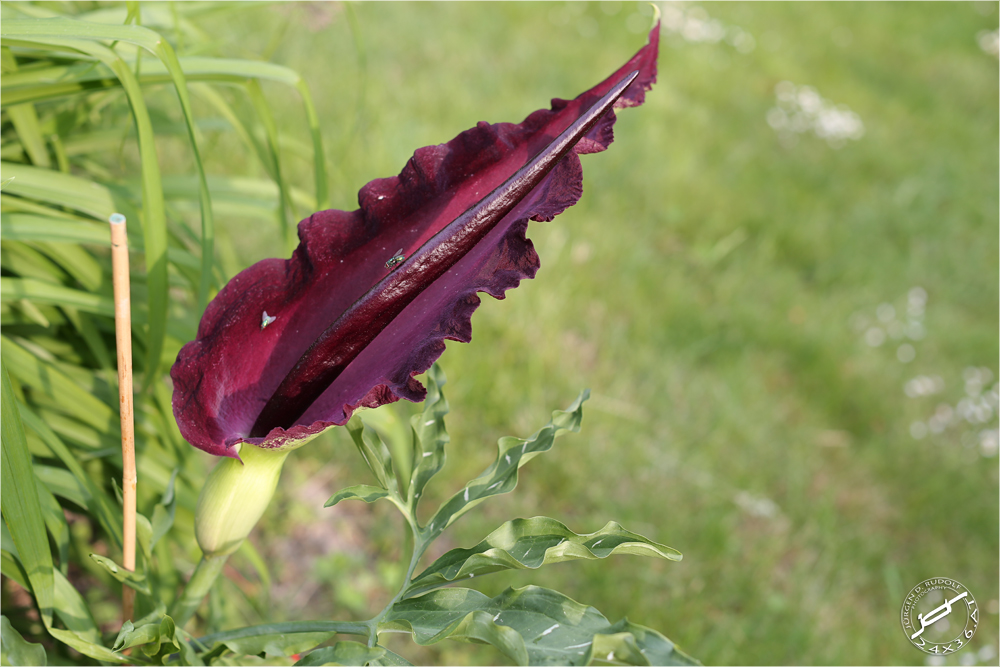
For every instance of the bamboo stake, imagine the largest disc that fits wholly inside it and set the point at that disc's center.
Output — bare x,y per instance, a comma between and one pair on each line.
123,340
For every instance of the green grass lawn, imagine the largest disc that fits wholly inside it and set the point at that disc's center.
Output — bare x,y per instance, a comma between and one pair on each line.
719,288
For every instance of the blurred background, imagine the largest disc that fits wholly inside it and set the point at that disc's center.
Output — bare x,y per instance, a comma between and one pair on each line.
781,286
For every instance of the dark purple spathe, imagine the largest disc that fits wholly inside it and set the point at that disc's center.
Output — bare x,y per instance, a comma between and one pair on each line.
349,332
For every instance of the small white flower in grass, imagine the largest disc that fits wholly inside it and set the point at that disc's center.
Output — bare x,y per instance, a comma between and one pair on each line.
906,353
989,41
914,330
801,109
886,312
875,336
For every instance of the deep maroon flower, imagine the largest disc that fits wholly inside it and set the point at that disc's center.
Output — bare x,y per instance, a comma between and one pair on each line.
290,347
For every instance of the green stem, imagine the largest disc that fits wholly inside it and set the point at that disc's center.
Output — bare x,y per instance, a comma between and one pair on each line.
197,588
344,628
420,543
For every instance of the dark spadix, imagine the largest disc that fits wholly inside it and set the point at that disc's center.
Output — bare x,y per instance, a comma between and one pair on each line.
291,347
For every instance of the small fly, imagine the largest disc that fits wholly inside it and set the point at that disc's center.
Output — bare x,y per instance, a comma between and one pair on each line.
397,258
266,319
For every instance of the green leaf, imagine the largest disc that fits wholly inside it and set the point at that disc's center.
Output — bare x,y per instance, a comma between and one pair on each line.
364,492
154,216
33,227
73,610
501,476
21,508
342,653
398,437
429,436
248,551
29,263
75,261
390,659
157,634
88,648
188,655
136,580
49,380
58,81
60,189
62,483
144,535
28,227
11,566
36,291
25,120
55,522
86,326
54,31
234,196
271,131
375,453
256,632
552,628
163,513
530,544
166,641
130,636
480,626
16,649
277,644
23,517
97,501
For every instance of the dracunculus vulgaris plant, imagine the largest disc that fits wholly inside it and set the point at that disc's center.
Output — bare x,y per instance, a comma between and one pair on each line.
290,348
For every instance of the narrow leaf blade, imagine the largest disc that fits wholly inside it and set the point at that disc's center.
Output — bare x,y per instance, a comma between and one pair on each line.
429,435
530,544
136,580
501,476
21,509
364,492
375,454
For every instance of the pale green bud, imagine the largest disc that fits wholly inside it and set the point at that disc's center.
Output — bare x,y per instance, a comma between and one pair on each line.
234,498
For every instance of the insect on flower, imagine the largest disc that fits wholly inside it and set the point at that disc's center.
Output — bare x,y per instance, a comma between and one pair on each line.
397,258
266,319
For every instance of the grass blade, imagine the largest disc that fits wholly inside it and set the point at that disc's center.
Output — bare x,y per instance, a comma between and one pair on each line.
21,509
